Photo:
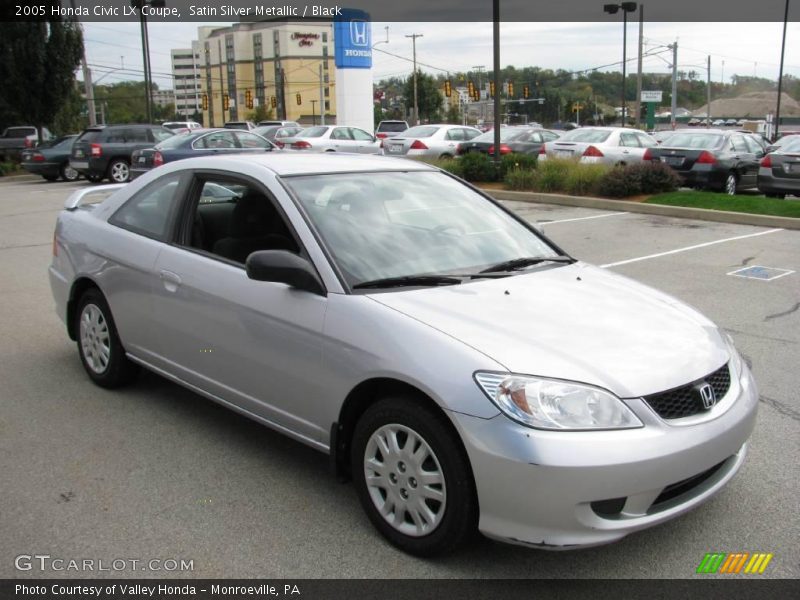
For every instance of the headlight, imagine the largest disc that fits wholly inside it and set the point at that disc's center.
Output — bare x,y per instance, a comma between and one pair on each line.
552,404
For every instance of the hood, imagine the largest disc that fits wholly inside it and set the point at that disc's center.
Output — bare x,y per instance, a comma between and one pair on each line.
575,322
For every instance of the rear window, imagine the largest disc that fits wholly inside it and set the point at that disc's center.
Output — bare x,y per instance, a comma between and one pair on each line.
699,141
313,132
506,135
20,132
236,125
392,127
420,132
591,136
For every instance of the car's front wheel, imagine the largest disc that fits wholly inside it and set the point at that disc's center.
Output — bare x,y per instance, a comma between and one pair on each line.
730,184
99,345
68,173
413,477
119,171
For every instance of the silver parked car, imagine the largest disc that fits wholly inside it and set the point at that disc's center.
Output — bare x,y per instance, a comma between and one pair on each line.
607,145
779,171
333,138
435,141
462,369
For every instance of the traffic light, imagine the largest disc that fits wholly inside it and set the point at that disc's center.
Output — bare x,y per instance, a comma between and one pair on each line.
273,102
491,88
205,101
299,99
526,91
248,99
448,90
510,89
226,102
471,89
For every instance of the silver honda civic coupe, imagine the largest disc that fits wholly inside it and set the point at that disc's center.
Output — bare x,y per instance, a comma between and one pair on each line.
465,372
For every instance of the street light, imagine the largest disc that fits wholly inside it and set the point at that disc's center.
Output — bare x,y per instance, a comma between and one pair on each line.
139,5
612,10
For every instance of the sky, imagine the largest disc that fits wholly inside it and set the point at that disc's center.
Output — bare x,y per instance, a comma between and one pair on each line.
114,49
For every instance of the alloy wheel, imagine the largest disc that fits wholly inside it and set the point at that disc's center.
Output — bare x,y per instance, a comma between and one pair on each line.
730,185
120,172
95,338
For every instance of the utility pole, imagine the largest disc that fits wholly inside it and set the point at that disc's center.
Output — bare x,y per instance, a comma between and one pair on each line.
87,82
314,112
780,75
708,79
321,99
496,76
221,81
414,37
639,68
674,48
480,69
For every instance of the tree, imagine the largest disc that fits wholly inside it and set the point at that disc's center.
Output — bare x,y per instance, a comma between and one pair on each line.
37,68
262,112
453,112
428,96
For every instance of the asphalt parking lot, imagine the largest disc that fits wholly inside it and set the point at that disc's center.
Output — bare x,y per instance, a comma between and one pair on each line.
155,471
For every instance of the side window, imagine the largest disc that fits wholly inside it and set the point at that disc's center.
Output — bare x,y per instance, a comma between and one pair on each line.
218,139
738,143
645,141
470,133
360,135
117,136
629,140
548,136
341,133
753,145
148,211
454,134
232,219
249,140
138,135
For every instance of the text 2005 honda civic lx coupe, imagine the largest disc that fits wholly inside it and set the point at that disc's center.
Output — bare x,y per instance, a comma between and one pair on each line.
464,371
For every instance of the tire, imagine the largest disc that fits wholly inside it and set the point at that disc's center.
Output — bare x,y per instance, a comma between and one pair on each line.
99,346
119,171
437,516
68,173
50,177
445,156
729,187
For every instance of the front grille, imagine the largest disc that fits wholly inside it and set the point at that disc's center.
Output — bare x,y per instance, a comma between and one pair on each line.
686,401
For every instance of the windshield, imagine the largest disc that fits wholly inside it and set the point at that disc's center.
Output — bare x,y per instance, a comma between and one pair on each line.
591,136
699,141
387,224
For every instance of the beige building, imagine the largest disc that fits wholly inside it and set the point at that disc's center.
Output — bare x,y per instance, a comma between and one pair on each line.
186,78
279,65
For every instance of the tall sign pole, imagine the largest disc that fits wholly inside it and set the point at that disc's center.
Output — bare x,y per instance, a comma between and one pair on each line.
496,76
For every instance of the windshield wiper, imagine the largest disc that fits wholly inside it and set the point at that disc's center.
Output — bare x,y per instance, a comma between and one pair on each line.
408,281
520,263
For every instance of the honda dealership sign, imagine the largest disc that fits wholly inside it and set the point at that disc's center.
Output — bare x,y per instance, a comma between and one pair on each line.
353,40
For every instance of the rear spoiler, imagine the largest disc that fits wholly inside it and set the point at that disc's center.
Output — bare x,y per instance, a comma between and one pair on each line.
76,198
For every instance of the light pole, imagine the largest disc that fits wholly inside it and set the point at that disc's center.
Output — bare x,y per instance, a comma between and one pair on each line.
314,112
414,37
612,9
780,73
139,5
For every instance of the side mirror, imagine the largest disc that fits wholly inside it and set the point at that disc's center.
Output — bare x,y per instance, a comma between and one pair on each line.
282,266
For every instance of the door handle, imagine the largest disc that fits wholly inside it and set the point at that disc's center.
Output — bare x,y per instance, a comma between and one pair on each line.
170,280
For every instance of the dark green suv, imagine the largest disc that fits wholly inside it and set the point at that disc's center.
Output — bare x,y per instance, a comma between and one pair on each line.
105,150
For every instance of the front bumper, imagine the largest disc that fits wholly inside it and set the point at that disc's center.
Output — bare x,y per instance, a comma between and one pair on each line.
537,488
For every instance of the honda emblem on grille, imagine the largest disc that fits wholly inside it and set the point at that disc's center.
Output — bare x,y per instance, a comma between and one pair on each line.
708,396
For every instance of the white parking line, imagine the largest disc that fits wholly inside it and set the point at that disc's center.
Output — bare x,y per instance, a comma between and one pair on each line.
582,218
687,248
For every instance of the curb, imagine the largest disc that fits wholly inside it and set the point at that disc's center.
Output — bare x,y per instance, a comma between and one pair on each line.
26,176
682,212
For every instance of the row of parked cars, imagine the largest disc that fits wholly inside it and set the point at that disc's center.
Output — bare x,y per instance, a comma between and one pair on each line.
717,159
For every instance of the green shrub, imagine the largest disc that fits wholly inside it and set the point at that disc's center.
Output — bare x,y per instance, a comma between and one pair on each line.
656,177
551,174
617,183
8,167
521,180
583,179
478,167
509,162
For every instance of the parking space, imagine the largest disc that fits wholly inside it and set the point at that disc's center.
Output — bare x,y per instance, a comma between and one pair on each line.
157,471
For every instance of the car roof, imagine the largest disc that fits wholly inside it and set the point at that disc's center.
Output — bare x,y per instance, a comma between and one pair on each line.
288,164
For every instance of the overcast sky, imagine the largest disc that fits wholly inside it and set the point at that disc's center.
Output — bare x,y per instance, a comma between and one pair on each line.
744,48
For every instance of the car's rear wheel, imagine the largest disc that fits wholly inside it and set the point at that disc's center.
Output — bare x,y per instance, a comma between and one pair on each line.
413,477
99,345
730,184
119,171
68,173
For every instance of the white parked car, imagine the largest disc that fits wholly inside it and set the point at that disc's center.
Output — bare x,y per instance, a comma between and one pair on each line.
334,138
607,145
435,141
